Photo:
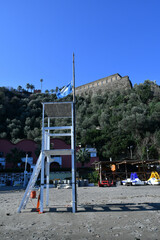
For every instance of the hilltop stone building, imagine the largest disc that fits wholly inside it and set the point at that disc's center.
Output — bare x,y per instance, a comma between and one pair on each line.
109,84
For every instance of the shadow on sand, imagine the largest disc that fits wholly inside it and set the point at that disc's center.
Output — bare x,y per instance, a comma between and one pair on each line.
122,207
11,188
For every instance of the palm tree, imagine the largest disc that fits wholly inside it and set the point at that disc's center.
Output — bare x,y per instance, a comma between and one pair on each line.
32,87
19,88
52,91
15,156
41,80
28,86
83,156
47,91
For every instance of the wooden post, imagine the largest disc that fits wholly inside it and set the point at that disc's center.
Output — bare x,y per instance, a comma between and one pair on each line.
42,164
126,169
100,177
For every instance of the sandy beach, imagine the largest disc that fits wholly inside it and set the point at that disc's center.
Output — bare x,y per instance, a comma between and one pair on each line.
122,212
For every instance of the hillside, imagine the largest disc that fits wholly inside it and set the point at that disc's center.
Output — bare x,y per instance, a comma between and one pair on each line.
117,124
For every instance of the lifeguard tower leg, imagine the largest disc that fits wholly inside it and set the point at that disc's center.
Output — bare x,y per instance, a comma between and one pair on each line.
47,182
42,183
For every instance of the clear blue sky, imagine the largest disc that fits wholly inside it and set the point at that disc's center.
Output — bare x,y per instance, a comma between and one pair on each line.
38,38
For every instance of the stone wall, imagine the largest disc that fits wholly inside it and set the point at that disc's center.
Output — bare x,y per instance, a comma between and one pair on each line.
110,83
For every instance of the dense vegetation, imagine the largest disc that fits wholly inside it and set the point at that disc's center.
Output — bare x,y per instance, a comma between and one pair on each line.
118,124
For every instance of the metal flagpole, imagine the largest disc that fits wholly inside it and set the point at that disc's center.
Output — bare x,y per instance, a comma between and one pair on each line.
42,164
74,191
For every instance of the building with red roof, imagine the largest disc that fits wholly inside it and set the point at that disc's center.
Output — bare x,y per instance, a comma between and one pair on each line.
30,147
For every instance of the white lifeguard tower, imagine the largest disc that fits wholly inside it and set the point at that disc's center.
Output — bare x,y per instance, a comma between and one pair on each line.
53,110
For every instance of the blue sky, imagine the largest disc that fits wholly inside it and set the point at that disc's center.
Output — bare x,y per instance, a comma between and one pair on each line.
38,38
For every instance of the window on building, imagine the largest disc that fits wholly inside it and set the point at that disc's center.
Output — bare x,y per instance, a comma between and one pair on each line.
93,154
57,159
106,81
102,83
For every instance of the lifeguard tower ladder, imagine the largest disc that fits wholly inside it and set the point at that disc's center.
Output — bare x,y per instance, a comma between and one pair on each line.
53,110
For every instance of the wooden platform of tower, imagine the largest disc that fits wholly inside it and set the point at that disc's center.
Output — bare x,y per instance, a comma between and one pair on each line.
53,110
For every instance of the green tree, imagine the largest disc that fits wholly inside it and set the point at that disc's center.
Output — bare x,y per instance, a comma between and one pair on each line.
83,156
28,86
19,88
41,80
57,89
93,177
32,87
108,122
144,91
15,156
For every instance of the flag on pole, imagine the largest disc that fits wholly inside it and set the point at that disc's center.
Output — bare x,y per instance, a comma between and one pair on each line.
65,91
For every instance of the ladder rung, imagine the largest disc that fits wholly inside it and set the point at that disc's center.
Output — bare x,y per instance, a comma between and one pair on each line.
60,134
58,152
58,128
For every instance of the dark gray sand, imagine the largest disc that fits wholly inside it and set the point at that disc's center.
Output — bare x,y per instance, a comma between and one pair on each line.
120,212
